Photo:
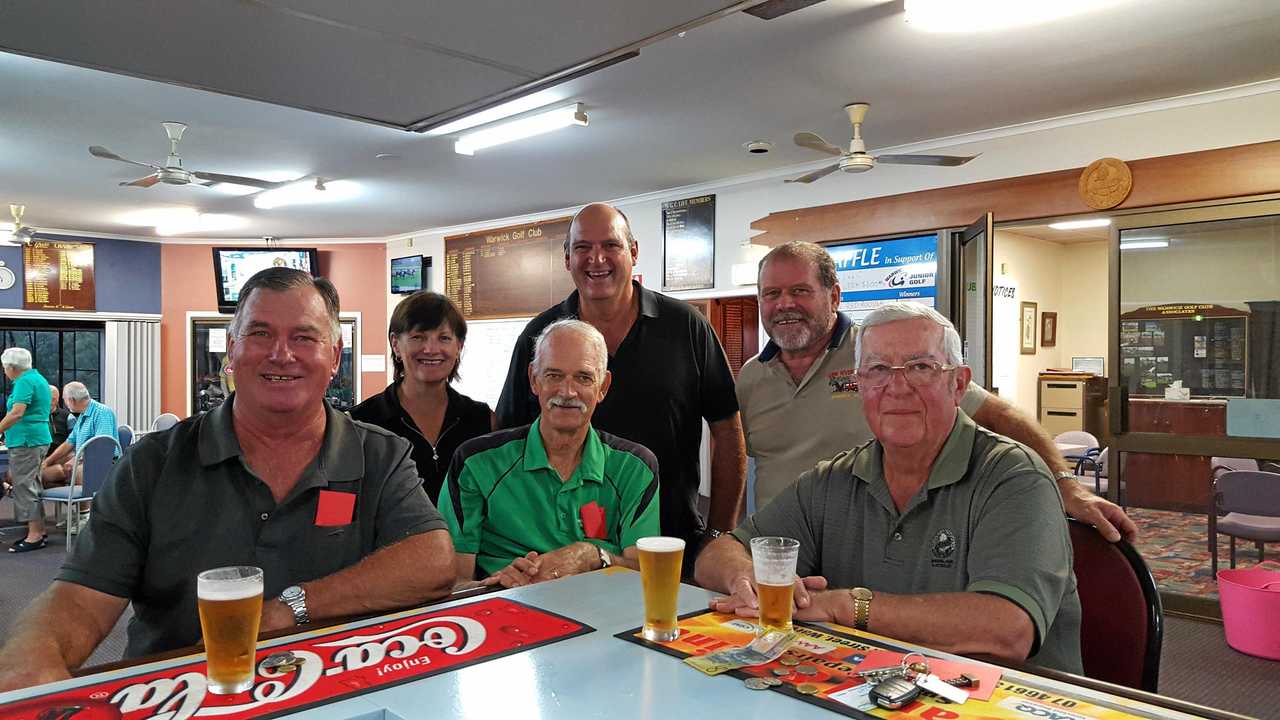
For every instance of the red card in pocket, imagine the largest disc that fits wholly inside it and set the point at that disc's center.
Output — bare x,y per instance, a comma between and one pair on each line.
593,523
335,508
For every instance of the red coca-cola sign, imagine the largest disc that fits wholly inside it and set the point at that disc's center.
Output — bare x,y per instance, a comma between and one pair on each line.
333,666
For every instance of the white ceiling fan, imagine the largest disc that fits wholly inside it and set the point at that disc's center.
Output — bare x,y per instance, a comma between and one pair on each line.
172,172
857,159
15,234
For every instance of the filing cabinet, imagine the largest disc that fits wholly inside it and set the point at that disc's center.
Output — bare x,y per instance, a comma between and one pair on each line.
1073,401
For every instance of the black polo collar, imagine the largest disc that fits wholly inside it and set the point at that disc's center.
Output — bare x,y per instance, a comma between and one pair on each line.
387,405
843,323
217,443
648,302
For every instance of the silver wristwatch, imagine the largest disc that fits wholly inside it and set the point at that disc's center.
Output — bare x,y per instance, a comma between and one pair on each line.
1064,475
296,599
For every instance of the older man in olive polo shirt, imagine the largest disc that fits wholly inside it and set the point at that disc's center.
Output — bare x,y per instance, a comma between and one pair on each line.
800,401
556,497
937,532
331,509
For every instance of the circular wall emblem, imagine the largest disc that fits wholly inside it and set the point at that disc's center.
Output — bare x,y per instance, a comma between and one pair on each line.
1105,183
7,278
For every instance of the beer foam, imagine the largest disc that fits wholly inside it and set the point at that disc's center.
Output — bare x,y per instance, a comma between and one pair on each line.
222,590
660,544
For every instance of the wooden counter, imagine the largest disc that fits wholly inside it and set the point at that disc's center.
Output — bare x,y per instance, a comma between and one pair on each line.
1172,482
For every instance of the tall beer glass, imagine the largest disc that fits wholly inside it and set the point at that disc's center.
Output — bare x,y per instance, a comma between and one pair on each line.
774,562
660,560
230,600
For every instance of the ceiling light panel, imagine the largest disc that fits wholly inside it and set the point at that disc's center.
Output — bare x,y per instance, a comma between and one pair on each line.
961,16
1081,224
521,128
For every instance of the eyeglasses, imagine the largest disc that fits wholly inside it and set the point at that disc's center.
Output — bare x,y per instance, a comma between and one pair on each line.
916,373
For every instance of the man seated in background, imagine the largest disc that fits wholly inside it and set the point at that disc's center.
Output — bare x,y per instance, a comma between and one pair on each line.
937,531
92,419
331,509
556,497
59,419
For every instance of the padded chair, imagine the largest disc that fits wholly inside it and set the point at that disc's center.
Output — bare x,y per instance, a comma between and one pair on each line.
126,436
1080,437
1095,468
164,422
1122,620
1249,504
87,478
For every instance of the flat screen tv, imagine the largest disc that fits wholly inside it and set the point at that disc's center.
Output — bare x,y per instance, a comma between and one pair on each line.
406,275
233,266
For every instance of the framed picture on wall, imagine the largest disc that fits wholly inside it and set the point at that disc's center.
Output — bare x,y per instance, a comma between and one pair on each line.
1028,316
1048,329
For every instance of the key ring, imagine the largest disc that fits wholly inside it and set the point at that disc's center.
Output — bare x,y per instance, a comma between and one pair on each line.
910,669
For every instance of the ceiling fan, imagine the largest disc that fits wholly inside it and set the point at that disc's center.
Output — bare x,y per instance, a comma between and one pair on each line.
857,160
172,172
18,234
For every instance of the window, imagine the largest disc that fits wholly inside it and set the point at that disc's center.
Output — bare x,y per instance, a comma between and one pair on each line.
60,354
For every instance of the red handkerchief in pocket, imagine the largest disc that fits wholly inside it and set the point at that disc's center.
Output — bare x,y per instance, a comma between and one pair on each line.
335,508
593,523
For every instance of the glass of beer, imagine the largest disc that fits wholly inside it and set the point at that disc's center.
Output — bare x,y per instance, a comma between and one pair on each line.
230,601
774,562
660,560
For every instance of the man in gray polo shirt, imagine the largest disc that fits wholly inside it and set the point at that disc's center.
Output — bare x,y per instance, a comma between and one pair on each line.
800,401
331,509
937,532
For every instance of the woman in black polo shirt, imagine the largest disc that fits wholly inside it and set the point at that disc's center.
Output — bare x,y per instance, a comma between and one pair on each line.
427,333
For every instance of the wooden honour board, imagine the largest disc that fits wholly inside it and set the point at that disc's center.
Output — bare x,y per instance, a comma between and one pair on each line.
58,275
509,272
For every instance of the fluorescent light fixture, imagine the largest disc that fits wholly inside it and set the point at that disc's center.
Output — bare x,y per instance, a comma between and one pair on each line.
495,113
520,128
201,223
1079,224
305,192
1144,243
956,16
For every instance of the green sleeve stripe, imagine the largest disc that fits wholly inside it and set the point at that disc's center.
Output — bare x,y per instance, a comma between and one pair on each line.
1019,598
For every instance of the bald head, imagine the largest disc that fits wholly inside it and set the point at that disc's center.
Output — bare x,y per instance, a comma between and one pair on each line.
54,395
597,220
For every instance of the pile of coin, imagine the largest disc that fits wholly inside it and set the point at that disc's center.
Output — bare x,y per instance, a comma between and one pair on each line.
282,662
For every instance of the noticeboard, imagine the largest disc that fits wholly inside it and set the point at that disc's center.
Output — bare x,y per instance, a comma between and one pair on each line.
58,276
509,272
689,243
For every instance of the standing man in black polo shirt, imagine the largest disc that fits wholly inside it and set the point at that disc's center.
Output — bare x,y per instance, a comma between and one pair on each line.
669,373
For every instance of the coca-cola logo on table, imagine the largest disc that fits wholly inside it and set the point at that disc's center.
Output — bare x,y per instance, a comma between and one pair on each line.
332,666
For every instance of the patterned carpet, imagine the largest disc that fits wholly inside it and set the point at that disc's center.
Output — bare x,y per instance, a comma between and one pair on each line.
1175,546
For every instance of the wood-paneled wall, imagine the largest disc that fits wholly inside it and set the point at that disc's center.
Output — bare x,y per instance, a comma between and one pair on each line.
1190,177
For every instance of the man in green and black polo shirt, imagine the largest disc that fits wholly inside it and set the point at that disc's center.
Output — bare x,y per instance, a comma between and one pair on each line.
556,497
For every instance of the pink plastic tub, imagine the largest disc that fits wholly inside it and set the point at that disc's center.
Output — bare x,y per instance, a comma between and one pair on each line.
1250,600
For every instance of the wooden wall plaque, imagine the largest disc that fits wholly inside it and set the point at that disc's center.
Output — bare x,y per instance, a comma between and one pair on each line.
508,272
1105,183
58,276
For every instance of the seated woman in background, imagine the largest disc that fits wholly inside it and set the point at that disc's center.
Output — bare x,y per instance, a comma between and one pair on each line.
427,333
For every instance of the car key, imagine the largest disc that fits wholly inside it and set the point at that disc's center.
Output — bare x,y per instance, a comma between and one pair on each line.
894,693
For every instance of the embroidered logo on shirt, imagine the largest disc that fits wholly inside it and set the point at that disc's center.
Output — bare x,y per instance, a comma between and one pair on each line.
943,548
842,381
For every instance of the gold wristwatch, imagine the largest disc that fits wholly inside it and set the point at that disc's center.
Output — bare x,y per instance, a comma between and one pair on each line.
861,607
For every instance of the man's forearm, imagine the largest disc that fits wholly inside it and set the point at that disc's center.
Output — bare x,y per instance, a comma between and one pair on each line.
1002,417
410,572
964,623
10,419
720,562
728,472
56,633
59,456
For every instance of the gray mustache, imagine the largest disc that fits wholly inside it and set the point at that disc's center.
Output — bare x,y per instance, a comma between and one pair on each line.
566,403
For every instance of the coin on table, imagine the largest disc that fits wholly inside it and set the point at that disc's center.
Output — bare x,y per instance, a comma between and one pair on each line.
772,682
806,670
807,689
781,672
789,661
279,660
756,683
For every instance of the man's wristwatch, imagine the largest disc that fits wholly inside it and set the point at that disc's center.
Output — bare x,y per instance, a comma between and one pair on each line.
1064,475
861,607
605,560
296,599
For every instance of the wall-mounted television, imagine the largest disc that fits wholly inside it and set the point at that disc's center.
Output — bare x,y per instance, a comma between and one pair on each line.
407,274
233,266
